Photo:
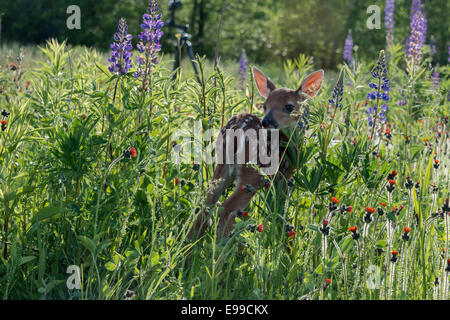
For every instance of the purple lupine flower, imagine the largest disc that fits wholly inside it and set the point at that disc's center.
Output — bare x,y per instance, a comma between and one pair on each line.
418,32
150,41
348,48
417,37
121,50
381,93
243,64
338,92
389,20
303,123
416,5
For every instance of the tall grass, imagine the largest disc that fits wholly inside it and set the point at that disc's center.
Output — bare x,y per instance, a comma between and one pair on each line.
67,198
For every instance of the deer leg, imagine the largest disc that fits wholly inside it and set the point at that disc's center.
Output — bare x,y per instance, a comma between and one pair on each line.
239,199
224,176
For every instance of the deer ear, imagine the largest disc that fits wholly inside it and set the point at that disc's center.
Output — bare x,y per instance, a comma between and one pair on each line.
265,86
311,85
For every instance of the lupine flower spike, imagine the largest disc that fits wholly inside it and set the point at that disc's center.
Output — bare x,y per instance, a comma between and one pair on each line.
338,92
243,65
417,35
121,50
149,44
380,92
389,21
120,61
348,48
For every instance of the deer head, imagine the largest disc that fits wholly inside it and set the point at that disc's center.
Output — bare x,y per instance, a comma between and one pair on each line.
283,104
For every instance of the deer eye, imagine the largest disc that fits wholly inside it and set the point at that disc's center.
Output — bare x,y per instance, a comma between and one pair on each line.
289,107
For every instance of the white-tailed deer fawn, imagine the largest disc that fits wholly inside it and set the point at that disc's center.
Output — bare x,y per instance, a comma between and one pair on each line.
280,107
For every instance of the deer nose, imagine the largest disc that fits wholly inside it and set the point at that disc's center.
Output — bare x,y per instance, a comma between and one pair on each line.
269,121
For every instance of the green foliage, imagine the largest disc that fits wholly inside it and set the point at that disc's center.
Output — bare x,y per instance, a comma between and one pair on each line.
70,194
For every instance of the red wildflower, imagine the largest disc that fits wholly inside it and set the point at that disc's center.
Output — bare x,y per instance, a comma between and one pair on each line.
267,184
353,229
407,230
260,228
328,281
291,234
392,182
27,84
349,209
394,253
334,200
176,181
436,161
244,214
83,117
4,122
325,222
133,152
383,204
394,173
370,210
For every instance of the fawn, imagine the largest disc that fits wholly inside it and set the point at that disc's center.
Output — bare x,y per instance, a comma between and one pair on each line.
280,107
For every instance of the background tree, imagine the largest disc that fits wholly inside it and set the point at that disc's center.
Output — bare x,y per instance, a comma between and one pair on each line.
268,30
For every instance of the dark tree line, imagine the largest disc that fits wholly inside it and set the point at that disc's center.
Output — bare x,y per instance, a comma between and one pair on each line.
268,30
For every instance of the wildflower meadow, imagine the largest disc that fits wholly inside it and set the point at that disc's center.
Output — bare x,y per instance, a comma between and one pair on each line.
106,165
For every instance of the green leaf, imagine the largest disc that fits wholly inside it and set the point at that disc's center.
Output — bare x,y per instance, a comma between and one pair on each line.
26,259
110,266
381,244
46,213
88,243
313,227
154,259
103,69
391,216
